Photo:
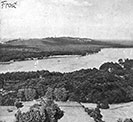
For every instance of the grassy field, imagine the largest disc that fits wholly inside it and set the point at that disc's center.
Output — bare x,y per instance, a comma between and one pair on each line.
115,111
75,113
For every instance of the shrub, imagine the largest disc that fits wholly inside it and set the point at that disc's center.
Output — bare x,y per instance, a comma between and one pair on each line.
126,120
103,105
18,105
119,120
95,114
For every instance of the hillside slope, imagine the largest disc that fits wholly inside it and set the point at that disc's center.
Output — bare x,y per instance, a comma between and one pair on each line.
57,44
65,41
19,49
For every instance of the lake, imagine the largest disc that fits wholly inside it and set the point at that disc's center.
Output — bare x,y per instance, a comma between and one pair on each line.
70,63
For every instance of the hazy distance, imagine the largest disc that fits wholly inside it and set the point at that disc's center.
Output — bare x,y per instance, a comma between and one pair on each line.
96,19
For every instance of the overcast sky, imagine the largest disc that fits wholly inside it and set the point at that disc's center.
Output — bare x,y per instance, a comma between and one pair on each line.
97,19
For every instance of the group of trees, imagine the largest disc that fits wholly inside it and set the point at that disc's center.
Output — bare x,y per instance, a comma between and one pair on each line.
16,55
6,56
46,111
112,82
95,114
28,94
22,52
125,120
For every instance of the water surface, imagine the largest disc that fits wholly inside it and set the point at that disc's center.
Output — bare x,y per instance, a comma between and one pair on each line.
70,63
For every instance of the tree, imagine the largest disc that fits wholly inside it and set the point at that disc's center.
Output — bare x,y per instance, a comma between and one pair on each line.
49,94
0,99
60,94
20,94
41,89
129,92
128,120
44,112
30,93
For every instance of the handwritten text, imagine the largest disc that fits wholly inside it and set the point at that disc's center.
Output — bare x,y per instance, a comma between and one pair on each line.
5,4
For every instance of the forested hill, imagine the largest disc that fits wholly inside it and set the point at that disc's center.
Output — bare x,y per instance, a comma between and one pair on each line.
19,49
62,41
113,82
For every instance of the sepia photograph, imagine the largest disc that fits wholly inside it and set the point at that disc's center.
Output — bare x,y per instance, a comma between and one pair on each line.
66,60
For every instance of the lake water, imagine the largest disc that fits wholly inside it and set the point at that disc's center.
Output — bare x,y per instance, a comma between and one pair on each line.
70,63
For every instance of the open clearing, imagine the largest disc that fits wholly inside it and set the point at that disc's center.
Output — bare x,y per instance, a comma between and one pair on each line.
115,111
75,113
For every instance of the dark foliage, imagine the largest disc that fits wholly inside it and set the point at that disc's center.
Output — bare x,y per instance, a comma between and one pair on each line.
18,52
43,112
113,83
125,120
19,104
95,114
8,99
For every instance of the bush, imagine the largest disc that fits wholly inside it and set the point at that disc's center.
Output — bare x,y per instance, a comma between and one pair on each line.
103,105
119,120
18,105
95,114
126,120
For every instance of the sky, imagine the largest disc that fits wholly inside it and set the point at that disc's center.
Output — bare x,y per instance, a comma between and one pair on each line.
96,19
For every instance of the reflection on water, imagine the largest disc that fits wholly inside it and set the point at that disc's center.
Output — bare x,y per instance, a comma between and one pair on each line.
70,63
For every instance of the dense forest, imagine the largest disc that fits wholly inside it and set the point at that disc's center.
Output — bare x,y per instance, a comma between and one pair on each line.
20,53
112,82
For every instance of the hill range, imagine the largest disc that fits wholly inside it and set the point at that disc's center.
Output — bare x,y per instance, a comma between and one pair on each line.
20,49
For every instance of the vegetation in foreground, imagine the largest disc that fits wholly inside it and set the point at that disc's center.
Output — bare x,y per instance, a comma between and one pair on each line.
111,83
125,120
94,113
97,116
46,111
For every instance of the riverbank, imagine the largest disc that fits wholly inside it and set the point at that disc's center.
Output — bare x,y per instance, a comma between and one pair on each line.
69,63
49,55
21,50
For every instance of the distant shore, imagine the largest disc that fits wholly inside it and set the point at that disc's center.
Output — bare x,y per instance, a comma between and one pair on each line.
57,54
51,55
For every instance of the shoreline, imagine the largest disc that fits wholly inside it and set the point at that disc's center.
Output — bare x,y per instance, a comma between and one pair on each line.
48,57
60,55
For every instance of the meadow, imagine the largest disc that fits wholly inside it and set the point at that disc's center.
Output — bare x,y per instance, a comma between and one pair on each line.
72,111
75,113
